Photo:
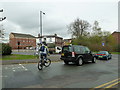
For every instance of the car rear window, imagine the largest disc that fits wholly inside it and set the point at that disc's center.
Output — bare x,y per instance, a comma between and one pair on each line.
67,48
101,52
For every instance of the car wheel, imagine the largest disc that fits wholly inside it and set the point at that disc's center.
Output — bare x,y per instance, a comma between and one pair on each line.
80,62
66,62
94,60
107,58
111,57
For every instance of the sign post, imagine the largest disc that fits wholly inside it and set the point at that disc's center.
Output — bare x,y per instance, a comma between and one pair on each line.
103,44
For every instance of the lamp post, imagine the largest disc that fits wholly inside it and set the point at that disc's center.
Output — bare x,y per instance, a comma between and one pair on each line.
41,25
1,26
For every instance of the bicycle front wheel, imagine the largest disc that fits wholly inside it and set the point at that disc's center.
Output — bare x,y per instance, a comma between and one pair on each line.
48,62
40,66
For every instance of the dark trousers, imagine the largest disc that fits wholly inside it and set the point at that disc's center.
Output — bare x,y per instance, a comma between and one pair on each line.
43,56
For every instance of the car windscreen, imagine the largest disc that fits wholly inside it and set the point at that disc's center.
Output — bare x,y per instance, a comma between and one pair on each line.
101,52
67,49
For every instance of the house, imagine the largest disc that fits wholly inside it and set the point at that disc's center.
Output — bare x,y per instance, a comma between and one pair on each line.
54,42
22,41
116,35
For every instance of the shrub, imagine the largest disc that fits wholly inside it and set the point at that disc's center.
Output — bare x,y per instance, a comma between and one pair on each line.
6,49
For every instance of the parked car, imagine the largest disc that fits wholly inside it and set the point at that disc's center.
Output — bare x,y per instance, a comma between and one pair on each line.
103,55
76,54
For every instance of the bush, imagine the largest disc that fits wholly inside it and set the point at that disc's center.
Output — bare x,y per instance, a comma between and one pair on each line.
6,49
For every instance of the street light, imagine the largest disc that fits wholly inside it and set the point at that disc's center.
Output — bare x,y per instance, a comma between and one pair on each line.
41,25
3,18
1,31
1,10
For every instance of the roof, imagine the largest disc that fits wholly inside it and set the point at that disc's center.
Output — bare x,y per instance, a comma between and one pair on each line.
55,35
23,35
116,32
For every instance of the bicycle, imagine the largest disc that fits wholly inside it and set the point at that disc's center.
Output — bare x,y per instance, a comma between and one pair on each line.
43,63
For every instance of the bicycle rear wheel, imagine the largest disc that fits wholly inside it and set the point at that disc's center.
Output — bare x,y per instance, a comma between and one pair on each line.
40,65
48,62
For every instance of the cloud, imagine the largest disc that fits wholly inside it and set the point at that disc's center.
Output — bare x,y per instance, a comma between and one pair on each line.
24,17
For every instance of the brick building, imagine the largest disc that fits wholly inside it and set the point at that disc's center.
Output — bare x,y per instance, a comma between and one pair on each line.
21,41
116,35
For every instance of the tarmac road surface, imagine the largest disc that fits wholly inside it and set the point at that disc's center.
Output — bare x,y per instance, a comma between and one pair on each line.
103,74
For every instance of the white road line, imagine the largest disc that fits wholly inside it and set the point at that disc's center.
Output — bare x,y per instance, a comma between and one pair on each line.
24,67
13,70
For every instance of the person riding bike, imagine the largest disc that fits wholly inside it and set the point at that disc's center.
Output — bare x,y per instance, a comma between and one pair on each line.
44,51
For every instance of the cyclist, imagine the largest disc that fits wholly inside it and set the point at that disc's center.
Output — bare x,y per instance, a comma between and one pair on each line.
44,51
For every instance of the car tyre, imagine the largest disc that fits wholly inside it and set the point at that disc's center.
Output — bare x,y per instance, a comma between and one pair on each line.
94,60
66,62
80,62
107,58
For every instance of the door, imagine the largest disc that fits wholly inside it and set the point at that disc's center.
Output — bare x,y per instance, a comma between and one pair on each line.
87,54
66,51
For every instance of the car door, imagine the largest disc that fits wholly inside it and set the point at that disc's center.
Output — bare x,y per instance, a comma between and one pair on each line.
87,54
66,51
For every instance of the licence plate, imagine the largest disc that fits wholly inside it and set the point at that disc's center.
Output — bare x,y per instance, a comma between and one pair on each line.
62,54
100,56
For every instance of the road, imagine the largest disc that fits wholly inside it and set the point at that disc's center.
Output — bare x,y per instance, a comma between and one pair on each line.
59,75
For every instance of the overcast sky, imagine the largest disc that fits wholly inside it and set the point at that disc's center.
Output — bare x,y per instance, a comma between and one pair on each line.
23,17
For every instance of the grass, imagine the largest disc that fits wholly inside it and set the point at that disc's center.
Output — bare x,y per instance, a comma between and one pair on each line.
115,52
18,57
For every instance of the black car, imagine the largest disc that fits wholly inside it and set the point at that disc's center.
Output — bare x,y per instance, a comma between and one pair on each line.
77,54
103,55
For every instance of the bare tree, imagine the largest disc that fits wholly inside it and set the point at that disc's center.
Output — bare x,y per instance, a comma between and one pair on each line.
96,29
78,28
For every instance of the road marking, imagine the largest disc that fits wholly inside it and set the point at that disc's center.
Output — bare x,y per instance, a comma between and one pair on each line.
107,83
23,66
112,85
26,69
13,70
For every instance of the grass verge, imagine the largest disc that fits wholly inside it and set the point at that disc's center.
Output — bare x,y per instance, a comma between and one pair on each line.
115,52
18,57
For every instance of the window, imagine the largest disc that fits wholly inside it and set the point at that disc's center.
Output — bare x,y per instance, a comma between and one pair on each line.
50,39
67,48
87,50
78,49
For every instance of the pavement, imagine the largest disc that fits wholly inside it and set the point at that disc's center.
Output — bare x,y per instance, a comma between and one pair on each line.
54,58
7,62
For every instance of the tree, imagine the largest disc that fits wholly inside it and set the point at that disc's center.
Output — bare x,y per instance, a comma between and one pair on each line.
96,29
79,28
6,49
